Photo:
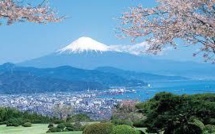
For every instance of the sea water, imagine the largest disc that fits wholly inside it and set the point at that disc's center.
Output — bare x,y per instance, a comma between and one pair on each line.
176,87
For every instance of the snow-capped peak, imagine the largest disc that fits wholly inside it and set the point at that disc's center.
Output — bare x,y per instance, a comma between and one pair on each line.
87,44
84,44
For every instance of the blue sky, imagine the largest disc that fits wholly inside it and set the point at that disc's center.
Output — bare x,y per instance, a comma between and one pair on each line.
94,18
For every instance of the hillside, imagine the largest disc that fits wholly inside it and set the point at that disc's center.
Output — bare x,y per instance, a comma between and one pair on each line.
15,79
140,76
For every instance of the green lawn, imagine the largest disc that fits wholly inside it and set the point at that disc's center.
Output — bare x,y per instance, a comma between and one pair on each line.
35,129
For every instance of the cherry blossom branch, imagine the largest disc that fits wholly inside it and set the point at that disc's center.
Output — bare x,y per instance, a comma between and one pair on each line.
190,20
12,11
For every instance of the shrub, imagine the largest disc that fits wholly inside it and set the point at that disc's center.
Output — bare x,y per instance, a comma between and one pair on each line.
54,129
50,125
98,128
124,129
69,128
122,122
188,128
79,118
26,120
198,123
83,127
212,121
209,128
61,126
138,124
3,122
57,121
77,126
14,122
27,124
68,124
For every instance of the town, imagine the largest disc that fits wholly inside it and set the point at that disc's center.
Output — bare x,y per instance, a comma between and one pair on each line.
80,102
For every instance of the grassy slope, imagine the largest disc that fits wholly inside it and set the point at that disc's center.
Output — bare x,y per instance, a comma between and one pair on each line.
35,129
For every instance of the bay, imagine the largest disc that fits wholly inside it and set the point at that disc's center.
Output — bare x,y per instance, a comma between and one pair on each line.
176,87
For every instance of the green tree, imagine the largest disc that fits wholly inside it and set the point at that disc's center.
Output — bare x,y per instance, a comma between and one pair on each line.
126,113
79,118
62,111
173,113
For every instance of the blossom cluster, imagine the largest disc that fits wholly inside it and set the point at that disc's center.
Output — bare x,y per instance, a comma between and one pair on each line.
14,11
193,21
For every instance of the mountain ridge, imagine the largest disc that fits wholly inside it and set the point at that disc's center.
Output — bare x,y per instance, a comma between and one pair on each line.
15,79
88,57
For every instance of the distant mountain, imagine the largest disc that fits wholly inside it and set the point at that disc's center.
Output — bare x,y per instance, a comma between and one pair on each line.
15,79
23,82
140,76
87,53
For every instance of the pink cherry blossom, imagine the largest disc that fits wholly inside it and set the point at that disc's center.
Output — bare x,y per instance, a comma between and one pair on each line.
13,11
192,21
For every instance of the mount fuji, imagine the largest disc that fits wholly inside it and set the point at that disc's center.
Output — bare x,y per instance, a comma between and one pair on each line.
86,53
84,44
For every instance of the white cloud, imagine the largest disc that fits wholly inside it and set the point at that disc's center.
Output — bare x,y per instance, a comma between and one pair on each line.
137,49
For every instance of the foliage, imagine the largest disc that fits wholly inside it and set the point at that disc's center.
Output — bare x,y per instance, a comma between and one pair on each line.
14,122
58,121
123,129
193,21
62,111
182,114
27,124
50,125
212,121
66,126
14,11
54,129
3,122
126,113
187,128
77,126
138,123
79,118
198,123
13,117
209,129
98,128
122,122
61,126
191,127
